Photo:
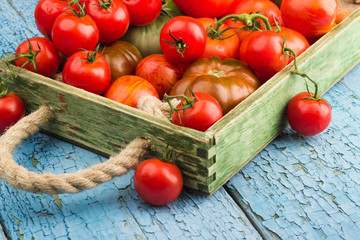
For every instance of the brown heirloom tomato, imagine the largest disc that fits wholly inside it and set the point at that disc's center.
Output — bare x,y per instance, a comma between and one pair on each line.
229,81
123,57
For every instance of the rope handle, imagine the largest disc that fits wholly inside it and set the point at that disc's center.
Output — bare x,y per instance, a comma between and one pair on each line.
21,178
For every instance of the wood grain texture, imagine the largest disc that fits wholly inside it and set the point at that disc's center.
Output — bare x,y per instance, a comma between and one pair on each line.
2,234
309,187
112,210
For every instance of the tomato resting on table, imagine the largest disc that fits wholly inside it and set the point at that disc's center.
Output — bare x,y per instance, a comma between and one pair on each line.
111,17
12,108
73,31
87,70
158,182
308,116
38,55
183,39
229,81
129,89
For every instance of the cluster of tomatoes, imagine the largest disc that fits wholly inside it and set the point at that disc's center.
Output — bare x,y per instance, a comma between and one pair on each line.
210,53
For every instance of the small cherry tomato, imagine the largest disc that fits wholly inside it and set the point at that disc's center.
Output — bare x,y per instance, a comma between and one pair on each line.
203,112
73,31
129,89
12,108
87,70
183,39
38,55
111,18
308,116
158,182
143,12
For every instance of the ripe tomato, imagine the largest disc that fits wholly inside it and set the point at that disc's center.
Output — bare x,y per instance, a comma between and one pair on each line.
12,108
204,112
229,81
159,72
158,182
111,17
263,52
204,8
143,12
310,18
39,55
74,31
217,46
183,39
87,70
46,12
129,89
308,116
123,57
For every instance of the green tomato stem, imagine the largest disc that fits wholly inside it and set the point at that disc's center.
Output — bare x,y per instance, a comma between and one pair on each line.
185,105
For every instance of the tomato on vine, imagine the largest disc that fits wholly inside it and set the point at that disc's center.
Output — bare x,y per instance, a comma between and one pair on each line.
74,30
38,55
183,39
158,182
198,111
12,108
87,70
111,17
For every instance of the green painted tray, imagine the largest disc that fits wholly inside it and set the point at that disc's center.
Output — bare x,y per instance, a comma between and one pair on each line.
207,159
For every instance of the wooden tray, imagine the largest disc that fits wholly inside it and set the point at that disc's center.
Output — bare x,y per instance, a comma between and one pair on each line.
207,159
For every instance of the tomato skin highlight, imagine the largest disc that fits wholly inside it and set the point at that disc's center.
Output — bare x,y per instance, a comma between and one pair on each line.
12,109
93,77
71,33
308,116
203,114
47,59
112,23
129,89
158,182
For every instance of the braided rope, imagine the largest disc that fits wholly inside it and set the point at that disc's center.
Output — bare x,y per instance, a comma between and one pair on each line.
21,178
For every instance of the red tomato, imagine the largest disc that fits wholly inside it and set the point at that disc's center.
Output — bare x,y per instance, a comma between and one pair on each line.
143,12
294,40
47,58
263,52
88,71
158,182
159,72
72,32
129,89
310,18
308,116
202,115
111,17
204,8
46,12
12,108
183,39
223,48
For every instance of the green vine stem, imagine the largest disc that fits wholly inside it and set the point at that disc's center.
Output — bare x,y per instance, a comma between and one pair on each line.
167,155
30,56
184,105
104,4
215,33
291,53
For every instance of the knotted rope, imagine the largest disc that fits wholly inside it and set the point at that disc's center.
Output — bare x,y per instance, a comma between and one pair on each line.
21,178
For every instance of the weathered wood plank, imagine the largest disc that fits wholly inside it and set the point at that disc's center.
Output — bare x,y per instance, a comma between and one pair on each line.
261,117
2,234
309,187
112,210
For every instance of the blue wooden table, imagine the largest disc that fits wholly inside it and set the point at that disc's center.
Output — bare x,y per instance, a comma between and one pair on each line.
296,188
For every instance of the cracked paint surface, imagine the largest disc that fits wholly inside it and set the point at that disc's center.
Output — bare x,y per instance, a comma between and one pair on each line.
309,187
112,210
